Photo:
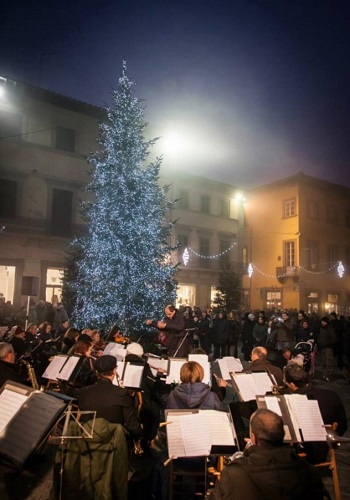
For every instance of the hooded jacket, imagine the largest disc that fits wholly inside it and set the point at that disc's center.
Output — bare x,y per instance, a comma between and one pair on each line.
95,468
188,396
268,473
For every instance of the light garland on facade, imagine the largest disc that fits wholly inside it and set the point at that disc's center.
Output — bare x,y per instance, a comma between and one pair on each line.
340,270
186,254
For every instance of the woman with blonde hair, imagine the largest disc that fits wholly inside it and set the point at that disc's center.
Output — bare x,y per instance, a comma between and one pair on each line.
192,392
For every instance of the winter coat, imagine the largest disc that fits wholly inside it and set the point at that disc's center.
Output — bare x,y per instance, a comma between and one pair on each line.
233,331
268,473
220,331
60,315
95,468
188,396
326,337
260,334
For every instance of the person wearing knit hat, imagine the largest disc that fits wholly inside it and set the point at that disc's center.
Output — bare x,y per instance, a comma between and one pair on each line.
134,348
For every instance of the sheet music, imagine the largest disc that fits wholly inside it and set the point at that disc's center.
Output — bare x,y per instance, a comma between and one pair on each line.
233,364
54,367
202,359
293,413
132,375
262,382
245,385
221,429
115,350
175,365
196,435
309,419
10,403
176,446
155,363
68,367
229,364
272,404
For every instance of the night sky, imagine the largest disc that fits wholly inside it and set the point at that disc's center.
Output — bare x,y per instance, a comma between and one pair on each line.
249,91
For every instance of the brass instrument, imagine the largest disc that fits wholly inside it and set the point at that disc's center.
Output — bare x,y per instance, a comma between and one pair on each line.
31,374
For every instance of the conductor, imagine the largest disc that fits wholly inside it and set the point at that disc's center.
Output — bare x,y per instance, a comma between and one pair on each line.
174,325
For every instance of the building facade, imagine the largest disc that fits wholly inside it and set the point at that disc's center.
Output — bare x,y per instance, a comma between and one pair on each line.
44,141
297,230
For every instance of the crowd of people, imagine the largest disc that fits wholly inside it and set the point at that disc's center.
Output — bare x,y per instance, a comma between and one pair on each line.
283,343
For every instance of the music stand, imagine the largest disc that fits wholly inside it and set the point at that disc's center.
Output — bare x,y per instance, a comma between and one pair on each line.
64,437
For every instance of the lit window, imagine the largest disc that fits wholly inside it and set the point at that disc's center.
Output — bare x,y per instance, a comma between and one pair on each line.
54,285
289,253
289,208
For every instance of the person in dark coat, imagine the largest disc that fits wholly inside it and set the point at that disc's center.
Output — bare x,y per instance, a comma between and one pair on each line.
174,325
247,336
7,364
268,469
233,334
204,330
220,335
192,392
111,402
18,342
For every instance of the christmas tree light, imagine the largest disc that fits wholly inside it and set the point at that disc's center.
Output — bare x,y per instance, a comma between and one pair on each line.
125,274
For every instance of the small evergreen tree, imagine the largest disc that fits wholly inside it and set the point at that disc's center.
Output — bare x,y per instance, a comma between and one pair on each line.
125,274
229,290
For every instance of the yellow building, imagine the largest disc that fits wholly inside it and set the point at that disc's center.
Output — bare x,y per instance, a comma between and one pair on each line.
297,230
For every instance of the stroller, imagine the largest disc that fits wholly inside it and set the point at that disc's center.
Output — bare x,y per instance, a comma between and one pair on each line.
304,354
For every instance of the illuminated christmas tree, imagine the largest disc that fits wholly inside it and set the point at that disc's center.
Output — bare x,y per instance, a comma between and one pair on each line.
126,274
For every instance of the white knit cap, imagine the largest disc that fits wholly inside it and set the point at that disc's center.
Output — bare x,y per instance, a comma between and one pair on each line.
134,348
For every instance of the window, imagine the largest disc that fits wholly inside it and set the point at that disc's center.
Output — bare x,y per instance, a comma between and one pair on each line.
332,214
225,208
245,256
224,255
7,282
347,259
204,251
273,298
332,252
347,218
289,208
182,202
65,139
53,291
10,124
332,302
183,241
205,204
289,253
8,198
61,216
313,254
186,295
313,211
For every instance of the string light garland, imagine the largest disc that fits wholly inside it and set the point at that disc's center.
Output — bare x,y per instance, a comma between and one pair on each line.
293,270
186,254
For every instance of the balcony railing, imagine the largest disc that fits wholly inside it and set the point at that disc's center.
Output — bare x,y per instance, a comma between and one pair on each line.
282,273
